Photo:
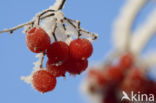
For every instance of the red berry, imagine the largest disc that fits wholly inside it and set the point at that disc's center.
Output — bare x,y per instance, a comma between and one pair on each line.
135,81
57,71
80,49
150,87
37,40
126,60
111,96
115,73
58,52
43,81
100,76
76,66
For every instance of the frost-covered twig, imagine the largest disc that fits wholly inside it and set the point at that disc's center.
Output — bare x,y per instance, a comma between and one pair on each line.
76,25
54,29
143,34
39,63
122,26
57,6
58,17
42,60
95,36
11,30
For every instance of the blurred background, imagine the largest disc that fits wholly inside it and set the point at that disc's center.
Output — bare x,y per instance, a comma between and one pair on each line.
16,60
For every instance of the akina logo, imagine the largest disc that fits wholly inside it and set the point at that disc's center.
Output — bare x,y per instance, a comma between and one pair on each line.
138,97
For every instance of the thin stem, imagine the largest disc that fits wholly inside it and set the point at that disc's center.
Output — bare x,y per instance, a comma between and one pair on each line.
61,5
79,30
54,29
70,22
40,15
64,27
42,59
11,30
92,34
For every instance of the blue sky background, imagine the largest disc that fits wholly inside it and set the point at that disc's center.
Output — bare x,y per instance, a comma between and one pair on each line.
16,60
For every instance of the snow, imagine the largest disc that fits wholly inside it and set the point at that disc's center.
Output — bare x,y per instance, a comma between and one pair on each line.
38,62
27,79
56,5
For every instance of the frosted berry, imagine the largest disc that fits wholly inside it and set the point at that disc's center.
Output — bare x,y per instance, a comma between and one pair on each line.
58,52
80,49
100,76
134,81
43,81
126,61
57,71
76,66
37,40
115,73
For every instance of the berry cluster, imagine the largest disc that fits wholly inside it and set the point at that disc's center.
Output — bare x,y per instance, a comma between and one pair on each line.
62,57
124,75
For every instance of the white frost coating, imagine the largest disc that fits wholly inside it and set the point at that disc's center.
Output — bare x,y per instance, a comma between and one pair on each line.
70,29
26,28
68,40
27,79
56,5
47,25
143,34
59,15
122,26
60,34
38,62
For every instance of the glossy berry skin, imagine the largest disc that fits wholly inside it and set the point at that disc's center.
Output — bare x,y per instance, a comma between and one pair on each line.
57,71
37,40
76,66
126,61
58,52
43,81
80,49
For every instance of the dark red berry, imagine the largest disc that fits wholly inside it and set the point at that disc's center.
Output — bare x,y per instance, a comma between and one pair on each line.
115,73
76,66
58,52
80,49
134,81
100,76
37,40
